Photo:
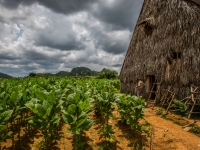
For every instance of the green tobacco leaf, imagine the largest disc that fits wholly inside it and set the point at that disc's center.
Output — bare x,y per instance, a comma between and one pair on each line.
74,130
16,109
42,95
76,97
5,116
81,121
87,124
14,96
71,109
138,107
81,144
1,109
19,96
67,118
55,119
82,115
48,108
37,122
39,110
84,106
29,118
3,128
43,110
3,94
3,136
33,124
52,97
45,104
58,106
68,130
31,104
17,117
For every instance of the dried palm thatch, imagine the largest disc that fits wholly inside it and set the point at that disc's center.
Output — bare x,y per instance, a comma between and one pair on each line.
166,41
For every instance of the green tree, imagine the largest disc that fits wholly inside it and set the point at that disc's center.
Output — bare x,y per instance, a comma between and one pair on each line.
107,74
82,71
32,74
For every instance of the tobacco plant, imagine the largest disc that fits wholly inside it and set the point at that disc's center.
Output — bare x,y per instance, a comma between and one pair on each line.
37,102
76,115
4,118
131,111
107,102
45,118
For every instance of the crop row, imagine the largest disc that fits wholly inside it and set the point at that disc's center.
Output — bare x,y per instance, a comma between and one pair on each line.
46,104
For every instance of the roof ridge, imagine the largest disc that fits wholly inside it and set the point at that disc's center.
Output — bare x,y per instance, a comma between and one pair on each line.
195,1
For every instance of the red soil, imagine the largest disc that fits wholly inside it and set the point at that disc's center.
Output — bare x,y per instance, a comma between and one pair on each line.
164,135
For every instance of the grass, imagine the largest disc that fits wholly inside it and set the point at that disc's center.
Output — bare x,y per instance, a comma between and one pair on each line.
161,112
196,130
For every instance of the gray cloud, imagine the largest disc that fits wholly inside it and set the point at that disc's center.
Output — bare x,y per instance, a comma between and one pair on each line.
33,55
121,14
67,7
111,42
118,13
2,19
8,56
90,33
111,46
67,42
59,6
117,65
13,4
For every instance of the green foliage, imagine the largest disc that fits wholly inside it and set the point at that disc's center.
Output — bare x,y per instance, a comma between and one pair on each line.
83,71
131,111
46,117
63,73
77,71
195,129
106,101
179,107
4,118
161,112
32,74
108,134
46,103
76,115
108,74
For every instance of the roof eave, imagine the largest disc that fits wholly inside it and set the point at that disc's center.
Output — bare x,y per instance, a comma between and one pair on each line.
195,1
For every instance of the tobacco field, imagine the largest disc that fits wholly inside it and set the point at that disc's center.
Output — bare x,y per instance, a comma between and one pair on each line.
46,105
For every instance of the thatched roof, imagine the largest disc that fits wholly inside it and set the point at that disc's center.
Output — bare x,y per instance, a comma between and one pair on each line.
166,41
196,1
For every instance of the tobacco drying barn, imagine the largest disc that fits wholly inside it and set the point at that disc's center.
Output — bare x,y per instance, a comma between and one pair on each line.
166,43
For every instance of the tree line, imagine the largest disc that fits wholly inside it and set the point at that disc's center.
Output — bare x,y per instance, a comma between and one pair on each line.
81,71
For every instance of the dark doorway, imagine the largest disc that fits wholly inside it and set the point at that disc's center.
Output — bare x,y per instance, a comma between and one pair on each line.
149,85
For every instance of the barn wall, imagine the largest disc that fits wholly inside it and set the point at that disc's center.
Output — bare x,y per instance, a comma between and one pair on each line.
174,30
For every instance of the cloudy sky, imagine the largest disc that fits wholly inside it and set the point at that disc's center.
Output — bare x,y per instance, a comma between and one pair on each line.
58,35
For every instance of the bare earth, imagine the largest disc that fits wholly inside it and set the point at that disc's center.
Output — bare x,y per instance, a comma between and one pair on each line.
164,135
170,136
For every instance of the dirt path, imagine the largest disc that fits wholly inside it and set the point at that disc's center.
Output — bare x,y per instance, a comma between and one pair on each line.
166,135
170,136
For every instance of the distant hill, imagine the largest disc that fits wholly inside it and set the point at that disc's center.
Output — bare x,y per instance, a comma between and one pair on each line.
32,74
77,71
2,75
83,71
63,73
45,74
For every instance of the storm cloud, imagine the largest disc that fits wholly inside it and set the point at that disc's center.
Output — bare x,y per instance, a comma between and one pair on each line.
59,6
52,36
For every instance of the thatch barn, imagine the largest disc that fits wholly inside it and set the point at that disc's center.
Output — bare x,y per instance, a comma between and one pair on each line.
165,42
